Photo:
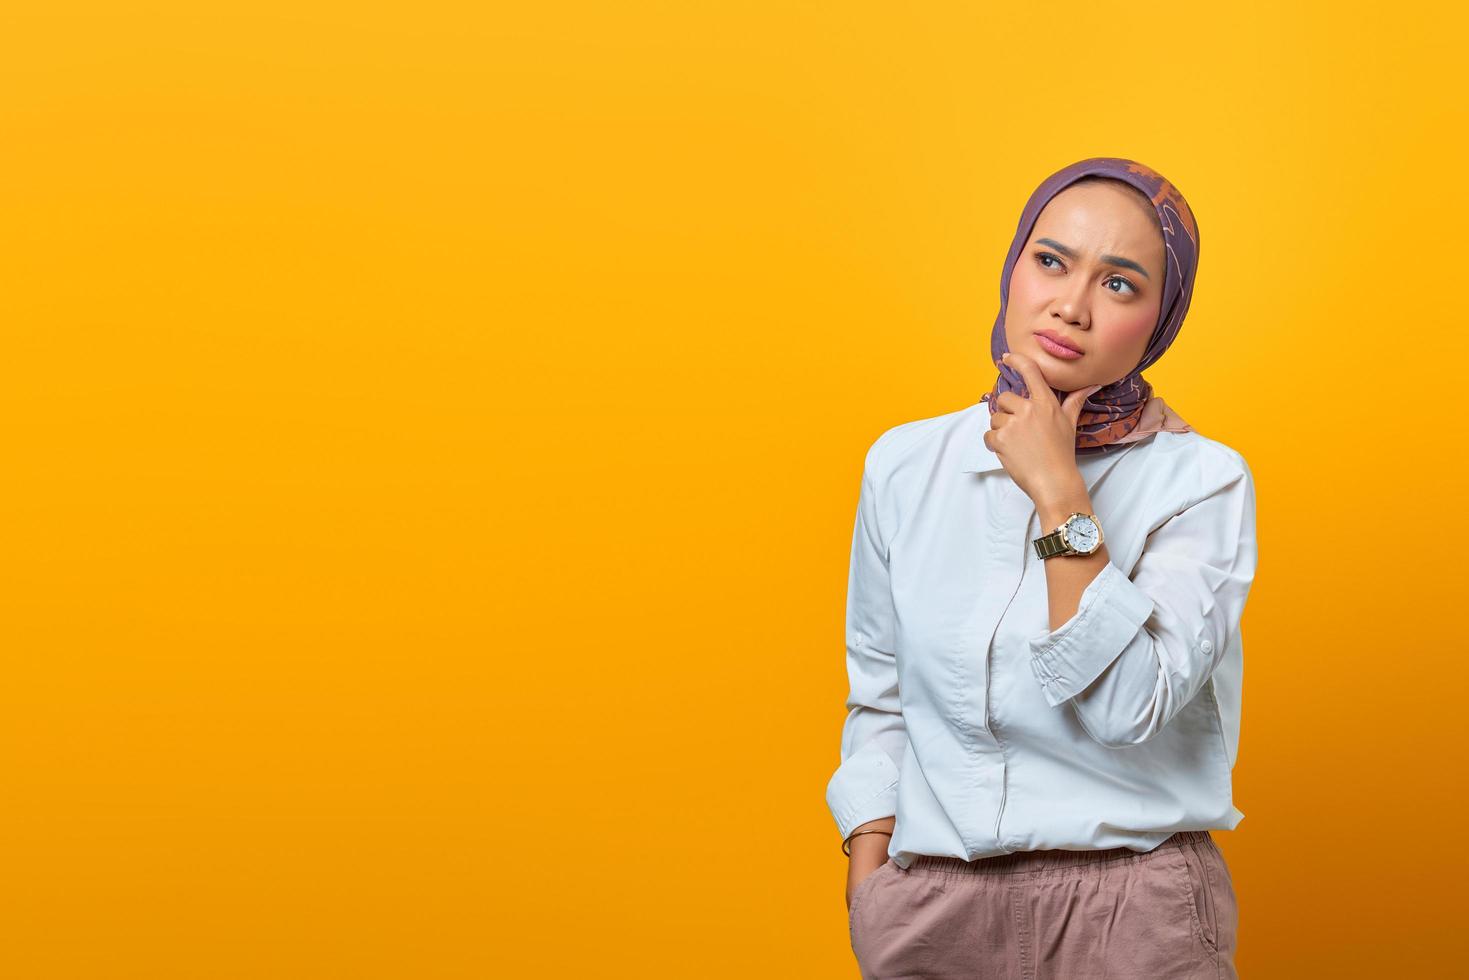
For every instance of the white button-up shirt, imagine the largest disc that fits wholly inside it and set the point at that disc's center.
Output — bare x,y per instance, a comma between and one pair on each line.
984,731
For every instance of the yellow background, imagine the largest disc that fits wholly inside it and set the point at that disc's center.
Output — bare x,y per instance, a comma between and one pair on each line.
433,432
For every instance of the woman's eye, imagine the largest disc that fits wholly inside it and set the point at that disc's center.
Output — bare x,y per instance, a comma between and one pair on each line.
1046,258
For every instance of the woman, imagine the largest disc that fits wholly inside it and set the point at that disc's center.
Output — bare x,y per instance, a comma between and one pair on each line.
1043,631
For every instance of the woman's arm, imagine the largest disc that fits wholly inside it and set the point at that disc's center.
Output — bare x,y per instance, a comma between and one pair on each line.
874,737
1137,649
869,852
1067,576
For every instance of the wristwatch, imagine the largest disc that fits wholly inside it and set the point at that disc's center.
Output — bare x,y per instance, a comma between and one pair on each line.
1080,534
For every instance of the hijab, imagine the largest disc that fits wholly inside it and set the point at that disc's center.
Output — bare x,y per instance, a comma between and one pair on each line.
1125,410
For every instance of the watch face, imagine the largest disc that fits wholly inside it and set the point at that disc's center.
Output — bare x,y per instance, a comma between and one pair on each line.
1083,534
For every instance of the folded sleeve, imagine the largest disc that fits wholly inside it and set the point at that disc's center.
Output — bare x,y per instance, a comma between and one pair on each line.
874,738
1139,648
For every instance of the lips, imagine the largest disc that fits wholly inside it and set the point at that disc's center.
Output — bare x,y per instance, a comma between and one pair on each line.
1052,335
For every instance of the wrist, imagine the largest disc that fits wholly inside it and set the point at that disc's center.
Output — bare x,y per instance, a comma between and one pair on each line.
1056,506
864,835
869,846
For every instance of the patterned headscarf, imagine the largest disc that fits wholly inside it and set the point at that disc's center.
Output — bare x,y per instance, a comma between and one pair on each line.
1126,410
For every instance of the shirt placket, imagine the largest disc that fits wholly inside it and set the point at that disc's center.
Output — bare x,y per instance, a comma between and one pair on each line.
1009,515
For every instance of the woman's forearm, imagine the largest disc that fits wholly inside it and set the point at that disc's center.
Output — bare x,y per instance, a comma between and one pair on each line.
881,823
869,852
1067,576
870,849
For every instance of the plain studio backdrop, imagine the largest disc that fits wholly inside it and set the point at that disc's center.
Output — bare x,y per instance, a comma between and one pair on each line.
433,433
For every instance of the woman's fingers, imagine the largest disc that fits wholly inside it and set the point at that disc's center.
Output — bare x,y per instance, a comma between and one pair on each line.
1008,401
1031,372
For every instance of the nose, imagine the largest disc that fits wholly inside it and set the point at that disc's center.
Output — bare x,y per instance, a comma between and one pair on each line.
1071,304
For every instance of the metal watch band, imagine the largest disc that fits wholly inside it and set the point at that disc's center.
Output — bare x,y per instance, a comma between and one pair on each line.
1051,545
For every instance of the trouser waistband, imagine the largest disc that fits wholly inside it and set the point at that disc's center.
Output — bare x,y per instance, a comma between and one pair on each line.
1017,861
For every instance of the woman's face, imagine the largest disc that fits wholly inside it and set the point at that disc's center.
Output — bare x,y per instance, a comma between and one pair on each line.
1091,275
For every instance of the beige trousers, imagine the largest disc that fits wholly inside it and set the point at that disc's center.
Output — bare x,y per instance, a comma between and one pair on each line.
1051,915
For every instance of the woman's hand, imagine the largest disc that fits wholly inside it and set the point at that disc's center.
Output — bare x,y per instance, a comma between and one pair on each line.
1035,437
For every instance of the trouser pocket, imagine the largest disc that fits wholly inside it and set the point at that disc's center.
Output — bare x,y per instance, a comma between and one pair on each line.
1201,877
860,892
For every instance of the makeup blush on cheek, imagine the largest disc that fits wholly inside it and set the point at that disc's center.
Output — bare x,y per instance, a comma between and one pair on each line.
1132,333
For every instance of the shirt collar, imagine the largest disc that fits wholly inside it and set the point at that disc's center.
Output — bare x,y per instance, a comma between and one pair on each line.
977,457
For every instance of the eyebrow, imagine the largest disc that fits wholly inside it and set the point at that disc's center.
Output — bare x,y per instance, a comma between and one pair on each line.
1116,260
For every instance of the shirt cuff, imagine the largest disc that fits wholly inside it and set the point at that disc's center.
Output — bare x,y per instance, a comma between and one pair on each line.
1111,611
864,787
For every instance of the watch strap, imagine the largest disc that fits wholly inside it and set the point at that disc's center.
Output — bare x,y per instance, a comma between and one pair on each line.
1051,545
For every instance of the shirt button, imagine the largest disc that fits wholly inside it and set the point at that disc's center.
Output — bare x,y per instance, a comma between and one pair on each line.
1206,646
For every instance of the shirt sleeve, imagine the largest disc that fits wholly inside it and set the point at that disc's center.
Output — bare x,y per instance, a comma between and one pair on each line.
1138,649
874,737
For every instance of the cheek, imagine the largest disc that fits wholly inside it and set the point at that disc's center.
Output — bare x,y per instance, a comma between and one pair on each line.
1025,287
1026,293
1127,336
1135,327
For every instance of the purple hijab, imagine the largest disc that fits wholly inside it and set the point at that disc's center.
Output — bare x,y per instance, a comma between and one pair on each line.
1115,413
